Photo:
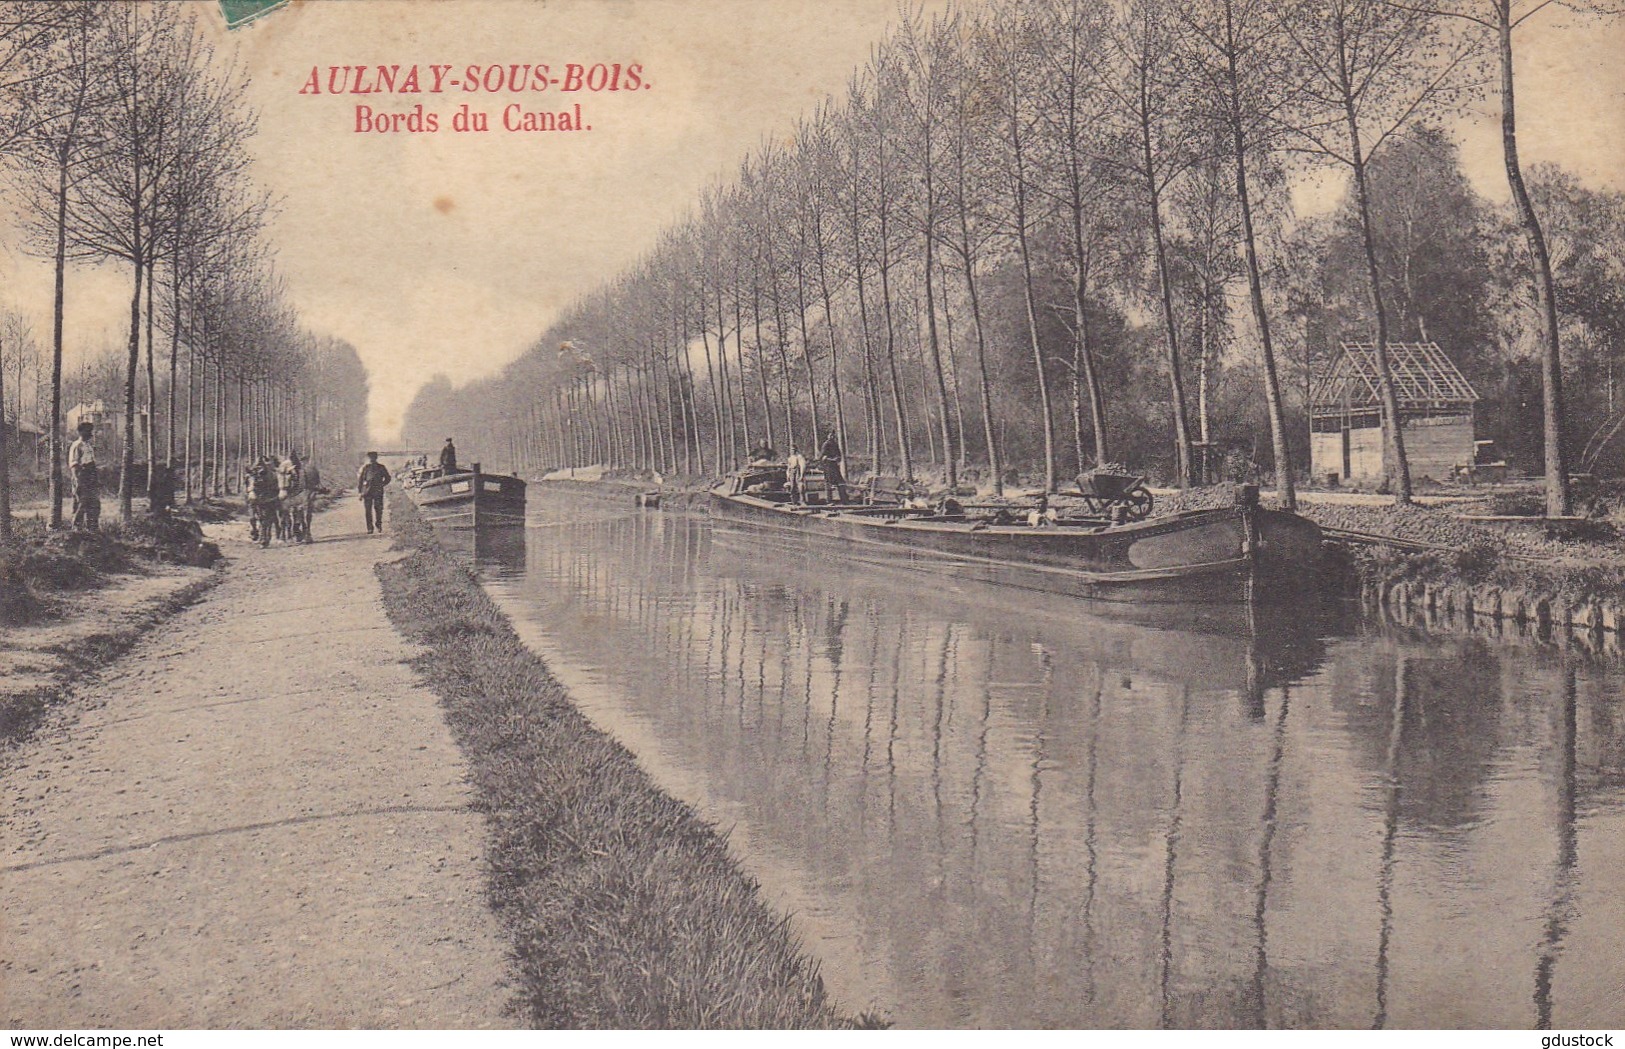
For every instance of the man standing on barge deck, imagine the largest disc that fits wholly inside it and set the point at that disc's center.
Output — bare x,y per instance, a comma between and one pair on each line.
831,462
371,482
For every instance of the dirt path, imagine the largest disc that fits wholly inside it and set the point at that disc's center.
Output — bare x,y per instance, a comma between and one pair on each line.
256,818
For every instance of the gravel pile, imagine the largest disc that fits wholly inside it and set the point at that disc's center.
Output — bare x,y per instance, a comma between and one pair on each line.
1416,523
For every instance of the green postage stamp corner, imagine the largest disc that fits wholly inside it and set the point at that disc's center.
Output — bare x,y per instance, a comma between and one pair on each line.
242,12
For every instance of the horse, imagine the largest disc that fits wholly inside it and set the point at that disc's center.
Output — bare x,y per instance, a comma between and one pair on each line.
292,523
264,502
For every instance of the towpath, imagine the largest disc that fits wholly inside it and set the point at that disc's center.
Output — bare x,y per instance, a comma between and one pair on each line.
256,818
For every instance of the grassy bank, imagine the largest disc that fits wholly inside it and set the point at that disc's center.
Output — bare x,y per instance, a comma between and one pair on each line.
24,704
623,908
72,602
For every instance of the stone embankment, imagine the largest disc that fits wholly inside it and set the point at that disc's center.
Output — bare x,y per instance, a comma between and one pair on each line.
1596,626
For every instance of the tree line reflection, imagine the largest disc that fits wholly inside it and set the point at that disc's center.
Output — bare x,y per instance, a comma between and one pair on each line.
1000,811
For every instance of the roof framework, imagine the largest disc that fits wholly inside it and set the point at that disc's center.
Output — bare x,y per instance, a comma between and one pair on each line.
1423,378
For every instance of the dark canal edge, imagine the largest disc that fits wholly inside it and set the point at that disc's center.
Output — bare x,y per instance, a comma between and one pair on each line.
622,907
1478,590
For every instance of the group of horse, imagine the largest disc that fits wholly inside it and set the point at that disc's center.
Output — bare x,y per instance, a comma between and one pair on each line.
278,500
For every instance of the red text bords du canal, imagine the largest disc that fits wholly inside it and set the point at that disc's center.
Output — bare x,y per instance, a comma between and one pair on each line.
435,78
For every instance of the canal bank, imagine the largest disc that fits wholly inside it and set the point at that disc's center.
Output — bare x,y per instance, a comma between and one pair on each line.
622,908
255,818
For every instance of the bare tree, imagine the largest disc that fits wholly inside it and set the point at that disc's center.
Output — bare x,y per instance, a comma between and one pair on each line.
28,61
1071,107
1500,20
1006,46
922,83
1239,52
972,138
816,149
874,117
1371,67
1149,115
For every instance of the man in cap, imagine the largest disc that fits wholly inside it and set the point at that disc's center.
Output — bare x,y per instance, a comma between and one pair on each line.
87,492
371,482
831,462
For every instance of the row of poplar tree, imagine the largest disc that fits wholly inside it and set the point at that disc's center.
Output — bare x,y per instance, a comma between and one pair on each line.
1049,174
125,136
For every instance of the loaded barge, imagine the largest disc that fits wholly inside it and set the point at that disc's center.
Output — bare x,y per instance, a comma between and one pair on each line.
1233,554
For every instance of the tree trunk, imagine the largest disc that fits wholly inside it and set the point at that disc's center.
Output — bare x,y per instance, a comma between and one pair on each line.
56,339
1182,440
806,344
1084,371
716,399
191,384
174,354
5,461
1284,481
1397,465
761,360
126,490
834,353
784,367
953,368
949,452
728,405
1028,295
152,388
1551,360
739,370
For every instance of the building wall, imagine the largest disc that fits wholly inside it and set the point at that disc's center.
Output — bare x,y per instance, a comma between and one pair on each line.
1434,447
1365,455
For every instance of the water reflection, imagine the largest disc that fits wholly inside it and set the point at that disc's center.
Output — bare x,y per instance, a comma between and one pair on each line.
500,551
990,809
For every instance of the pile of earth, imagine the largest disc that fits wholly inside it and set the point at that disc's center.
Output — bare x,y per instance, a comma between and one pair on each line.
168,538
36,562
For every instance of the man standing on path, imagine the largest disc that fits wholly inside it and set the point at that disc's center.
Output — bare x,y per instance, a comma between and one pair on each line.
313,481
371,482
87,495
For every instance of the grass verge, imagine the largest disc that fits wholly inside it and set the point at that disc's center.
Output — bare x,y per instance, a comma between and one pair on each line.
623,908
21,711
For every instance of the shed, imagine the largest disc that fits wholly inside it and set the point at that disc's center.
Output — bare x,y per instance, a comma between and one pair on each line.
1436,404
26,447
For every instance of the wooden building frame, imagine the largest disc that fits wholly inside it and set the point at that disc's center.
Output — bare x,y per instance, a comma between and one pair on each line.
1347,437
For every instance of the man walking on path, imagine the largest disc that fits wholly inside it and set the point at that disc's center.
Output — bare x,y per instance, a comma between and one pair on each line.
87,494
189,845
371,482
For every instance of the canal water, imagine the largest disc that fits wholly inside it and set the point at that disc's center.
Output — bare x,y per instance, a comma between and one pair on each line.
988,808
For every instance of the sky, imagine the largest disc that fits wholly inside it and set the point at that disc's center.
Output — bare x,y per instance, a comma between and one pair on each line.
450,252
